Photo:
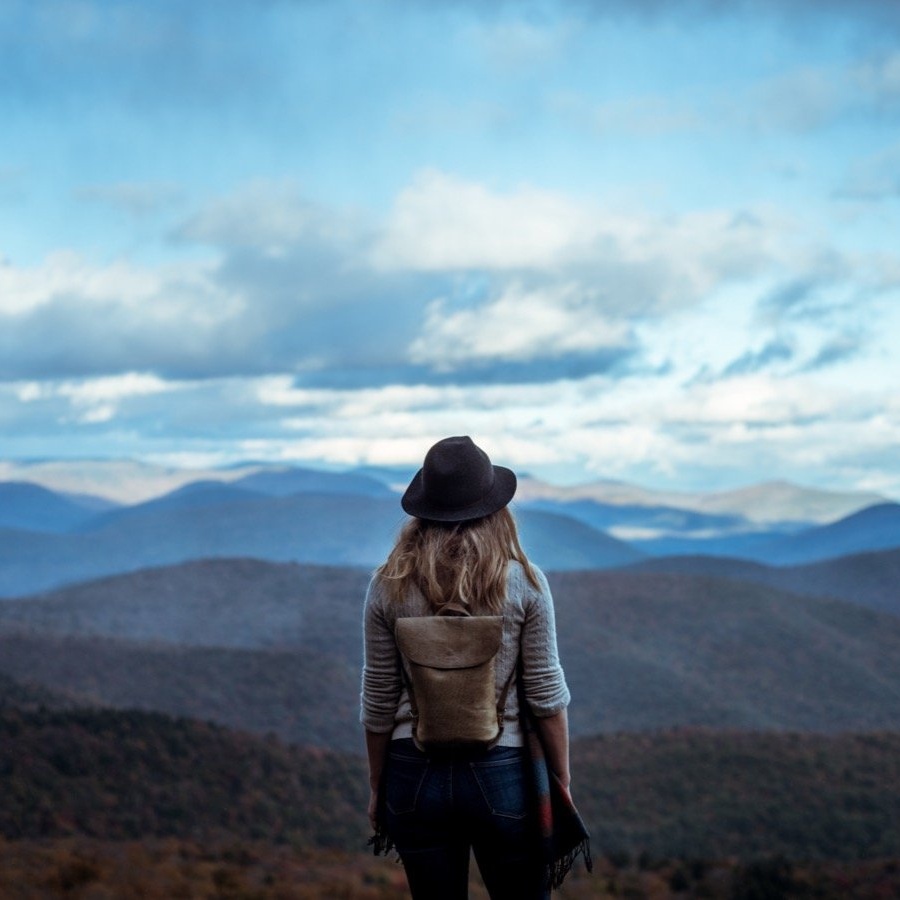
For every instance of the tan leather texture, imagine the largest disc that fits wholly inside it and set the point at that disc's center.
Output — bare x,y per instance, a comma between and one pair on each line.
451,670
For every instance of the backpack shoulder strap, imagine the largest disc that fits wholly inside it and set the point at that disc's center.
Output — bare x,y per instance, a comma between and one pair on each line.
453,608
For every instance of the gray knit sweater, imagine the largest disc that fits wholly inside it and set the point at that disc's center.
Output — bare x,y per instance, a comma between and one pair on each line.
527,616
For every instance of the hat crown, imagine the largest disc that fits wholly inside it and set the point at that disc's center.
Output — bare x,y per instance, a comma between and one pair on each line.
456,473
458,482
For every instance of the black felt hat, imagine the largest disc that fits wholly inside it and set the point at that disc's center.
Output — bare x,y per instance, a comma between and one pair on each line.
457,482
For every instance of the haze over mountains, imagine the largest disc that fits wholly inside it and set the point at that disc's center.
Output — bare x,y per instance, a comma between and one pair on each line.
50,537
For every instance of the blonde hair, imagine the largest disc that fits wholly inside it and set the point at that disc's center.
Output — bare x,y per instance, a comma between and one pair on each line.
465,562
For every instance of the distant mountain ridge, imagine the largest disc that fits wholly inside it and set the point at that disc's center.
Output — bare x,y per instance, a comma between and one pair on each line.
762,504
131,481
214,520
874,528
117,480
288,513
30,507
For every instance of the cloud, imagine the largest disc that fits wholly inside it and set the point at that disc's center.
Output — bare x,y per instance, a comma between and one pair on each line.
244,316
113,388
458,283
282,287
520,324
98,400
642,426
756,360
441,222
24,290
826,288
268,216
813,97
838,349
48,404
791,296
799,101
67,317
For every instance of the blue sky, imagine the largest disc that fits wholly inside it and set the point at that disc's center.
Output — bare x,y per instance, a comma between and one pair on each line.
646,241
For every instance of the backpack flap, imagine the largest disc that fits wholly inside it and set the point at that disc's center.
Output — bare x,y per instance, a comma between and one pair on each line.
449,642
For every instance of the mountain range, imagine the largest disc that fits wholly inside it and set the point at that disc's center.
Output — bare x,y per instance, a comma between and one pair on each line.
48,538
125,481
732,657
765,504
212,519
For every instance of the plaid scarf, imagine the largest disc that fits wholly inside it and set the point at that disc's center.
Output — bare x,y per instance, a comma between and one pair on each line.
563,834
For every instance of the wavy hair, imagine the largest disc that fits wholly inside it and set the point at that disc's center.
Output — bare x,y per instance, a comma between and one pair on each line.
465,562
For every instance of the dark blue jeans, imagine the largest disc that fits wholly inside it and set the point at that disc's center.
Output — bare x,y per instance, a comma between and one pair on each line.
438,807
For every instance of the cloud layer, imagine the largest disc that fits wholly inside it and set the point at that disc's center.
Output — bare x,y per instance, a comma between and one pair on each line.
337,232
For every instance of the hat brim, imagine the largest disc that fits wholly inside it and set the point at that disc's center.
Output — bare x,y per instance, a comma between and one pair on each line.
415,503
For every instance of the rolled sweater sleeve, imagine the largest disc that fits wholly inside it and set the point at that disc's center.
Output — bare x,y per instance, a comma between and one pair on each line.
381,680
542,675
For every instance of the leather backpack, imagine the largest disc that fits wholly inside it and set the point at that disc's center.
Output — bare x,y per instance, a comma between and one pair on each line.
450,674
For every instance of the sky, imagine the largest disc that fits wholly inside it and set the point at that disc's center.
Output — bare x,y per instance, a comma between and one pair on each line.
636,240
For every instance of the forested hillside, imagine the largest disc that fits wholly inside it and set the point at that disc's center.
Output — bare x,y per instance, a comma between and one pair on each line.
687,793
278,647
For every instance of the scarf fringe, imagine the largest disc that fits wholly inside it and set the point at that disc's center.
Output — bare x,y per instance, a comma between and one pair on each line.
381,842
561,867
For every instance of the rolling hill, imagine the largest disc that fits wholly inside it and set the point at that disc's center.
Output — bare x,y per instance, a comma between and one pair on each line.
29,695
304,696
31,507
242,641
868,579
239,603
656,650
873,528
